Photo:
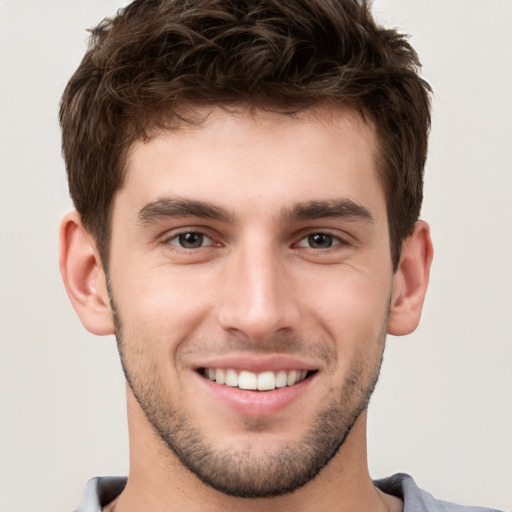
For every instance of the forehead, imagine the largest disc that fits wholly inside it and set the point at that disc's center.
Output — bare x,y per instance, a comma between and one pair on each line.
257,160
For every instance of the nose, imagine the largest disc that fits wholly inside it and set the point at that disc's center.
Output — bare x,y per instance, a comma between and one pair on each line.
258,298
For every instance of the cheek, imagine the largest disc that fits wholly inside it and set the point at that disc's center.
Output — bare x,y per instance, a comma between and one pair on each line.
161,305
345,294
351,308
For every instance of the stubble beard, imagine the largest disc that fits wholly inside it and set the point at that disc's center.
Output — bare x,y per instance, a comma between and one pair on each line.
239,472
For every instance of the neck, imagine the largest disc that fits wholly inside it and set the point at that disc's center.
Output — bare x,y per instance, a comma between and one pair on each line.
159,482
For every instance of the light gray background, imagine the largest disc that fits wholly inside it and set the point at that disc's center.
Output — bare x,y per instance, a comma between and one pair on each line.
443,409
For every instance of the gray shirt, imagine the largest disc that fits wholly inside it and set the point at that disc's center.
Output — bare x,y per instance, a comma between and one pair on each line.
100,491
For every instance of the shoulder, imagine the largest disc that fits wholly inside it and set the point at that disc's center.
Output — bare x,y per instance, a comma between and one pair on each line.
100,491
418,500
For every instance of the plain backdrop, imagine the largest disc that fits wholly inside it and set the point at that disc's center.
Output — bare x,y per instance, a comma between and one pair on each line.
442,410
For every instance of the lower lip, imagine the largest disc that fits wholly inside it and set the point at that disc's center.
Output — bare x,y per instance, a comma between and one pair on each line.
257,403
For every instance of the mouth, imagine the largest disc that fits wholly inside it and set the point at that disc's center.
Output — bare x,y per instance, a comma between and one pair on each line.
252,381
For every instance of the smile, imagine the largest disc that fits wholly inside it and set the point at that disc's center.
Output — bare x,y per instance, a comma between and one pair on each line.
264,381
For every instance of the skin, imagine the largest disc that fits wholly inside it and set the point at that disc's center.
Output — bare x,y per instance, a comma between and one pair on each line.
270,285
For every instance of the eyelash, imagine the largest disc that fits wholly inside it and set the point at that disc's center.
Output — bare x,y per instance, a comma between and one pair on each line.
178,237
333,239
178,240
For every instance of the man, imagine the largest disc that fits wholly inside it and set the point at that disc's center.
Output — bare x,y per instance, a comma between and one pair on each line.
248,180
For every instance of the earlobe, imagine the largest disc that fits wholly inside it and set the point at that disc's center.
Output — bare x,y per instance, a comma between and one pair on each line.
83,276
410,281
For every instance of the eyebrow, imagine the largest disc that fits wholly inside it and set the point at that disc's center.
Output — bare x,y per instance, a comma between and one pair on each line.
177,207
336,208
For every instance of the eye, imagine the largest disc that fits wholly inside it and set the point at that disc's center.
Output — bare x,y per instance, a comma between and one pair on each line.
191,240
320,241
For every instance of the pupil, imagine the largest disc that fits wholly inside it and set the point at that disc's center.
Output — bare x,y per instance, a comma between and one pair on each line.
320,241
191,240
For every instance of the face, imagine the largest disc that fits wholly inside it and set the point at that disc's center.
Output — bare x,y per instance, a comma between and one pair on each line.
250,277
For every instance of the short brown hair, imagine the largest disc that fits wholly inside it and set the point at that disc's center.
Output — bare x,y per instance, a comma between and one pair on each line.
147,66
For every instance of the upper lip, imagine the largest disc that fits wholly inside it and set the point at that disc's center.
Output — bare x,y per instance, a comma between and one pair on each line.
257,363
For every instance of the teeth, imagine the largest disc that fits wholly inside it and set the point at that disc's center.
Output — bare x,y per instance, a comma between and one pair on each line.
231,378
291,379
247,380
264,381
219,376
281,379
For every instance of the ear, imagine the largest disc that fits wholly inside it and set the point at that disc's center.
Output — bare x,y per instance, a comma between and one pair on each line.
410,281
83,276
